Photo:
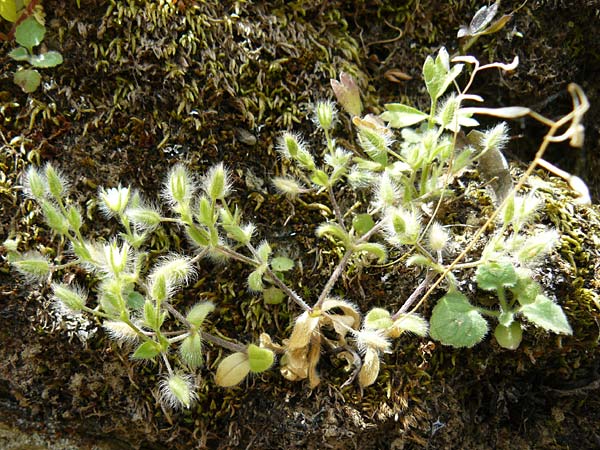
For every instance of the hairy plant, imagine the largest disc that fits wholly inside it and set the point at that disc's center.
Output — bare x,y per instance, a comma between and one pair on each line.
382,198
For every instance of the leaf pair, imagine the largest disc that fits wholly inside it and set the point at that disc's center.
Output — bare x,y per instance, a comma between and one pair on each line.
456,322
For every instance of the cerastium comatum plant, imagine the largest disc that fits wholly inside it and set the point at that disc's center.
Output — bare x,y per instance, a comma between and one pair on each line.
407,177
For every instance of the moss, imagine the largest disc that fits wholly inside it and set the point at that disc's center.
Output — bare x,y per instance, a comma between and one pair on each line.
146,84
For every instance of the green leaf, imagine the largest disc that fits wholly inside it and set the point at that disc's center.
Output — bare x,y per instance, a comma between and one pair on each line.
19,54
493,276
151,318
377,250
264,251
198,235
526,290
135,300
438,75
333,230
400,116
320,178
433,78
237,233
281,264
546,314
28,80
232,370
454,321
378,318
147,350
411,323
198,313
273,296
362,223
74,218
260,359
509,336
206,213
255,282
45,60
8,10
30,33
54,217
420,260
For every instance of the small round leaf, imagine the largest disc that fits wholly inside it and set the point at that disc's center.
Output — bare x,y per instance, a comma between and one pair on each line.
28,80
30,33
232,370
509,337
260,359
45,60
454,321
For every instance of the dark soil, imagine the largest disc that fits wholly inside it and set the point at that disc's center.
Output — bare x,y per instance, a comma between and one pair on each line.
147,84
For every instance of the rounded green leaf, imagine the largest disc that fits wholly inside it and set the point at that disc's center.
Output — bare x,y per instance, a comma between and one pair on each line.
255,282
362,223
373,248
8,10
30,33
454,321
493,276
378,318
45,60
232,370
281,264
19,54
135,300
28,80
259,359
273,296
526,290
509,337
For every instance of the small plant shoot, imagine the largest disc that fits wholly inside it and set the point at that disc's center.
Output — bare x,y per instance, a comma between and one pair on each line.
382,201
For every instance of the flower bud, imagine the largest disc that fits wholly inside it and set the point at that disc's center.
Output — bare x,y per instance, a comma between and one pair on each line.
438,237
190,351
495,138
175,269
403,227
143,218
347,93
33,265
72,298
179,186
325,114
35,184
120,331
57,185
114,200
177,390
386,191
54,218
288,186
216,183
116,259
